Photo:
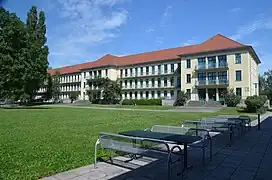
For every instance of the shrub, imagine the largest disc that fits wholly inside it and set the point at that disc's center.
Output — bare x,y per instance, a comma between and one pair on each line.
142,102
231,99
73,96
256,103
181,99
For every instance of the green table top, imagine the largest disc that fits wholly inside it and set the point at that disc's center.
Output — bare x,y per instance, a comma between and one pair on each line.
177,138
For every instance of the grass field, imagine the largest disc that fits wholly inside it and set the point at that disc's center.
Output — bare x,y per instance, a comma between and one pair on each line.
40,142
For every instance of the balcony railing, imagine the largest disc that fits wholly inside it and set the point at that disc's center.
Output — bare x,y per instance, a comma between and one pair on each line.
211,66
212,82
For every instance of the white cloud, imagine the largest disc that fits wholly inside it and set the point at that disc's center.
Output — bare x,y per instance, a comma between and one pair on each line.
150,30
189,42
247,29
165,16
234,10
159,40
85,24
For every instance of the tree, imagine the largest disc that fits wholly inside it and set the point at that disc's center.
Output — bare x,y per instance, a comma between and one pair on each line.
181,99
13,55
108,90
37,51
23,55
56,85
231,99
73,96
49,87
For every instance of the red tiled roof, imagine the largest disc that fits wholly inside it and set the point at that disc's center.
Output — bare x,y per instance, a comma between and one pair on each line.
217,42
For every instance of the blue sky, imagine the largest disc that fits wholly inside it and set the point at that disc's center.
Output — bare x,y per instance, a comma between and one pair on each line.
84,30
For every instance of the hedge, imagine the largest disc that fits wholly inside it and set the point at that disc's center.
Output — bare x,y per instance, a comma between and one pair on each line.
142,102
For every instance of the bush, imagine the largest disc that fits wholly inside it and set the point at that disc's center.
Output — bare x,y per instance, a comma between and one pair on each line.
181,99
256,104
142,102
231,99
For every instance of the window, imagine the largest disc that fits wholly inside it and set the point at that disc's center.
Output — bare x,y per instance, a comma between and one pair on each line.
84,84
238,58
188,78
159,82
152,94
239,92
106,72
172,94
136,82
125,95
141,94
188,93
121,72
146,94
201,76
141,83
159,94
159,69
153,82
188,63
165,68
238,75
147,70
99,73
121,83
212,77
172,68
130,83
130,95
212,62
125,83
136,71
153,69
165,94
222,77
142,71
135,95
130,71
172,81
146,82
222,60
165,82
126,73
201,63
84,74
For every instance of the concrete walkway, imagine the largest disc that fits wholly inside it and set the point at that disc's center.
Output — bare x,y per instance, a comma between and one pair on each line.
249,158
187,109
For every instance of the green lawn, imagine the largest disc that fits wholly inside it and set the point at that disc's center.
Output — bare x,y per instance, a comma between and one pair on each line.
40,142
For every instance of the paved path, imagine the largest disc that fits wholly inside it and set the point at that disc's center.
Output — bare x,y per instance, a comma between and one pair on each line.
187,109
249,158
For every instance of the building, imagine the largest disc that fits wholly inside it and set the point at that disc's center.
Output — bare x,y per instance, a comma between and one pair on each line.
203,70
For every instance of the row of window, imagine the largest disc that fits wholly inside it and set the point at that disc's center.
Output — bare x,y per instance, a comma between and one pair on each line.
71,78
148,70
212,76
70,88
97,73
148,82
222,61
148,94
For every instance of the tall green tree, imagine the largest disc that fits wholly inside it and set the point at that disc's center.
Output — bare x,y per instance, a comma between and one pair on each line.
13,55
56,85
109,90
38,53
49,87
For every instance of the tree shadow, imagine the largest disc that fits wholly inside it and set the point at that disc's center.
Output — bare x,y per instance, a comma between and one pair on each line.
24,107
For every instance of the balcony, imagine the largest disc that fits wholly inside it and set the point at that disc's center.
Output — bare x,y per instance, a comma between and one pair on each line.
211,66
150,74
211,82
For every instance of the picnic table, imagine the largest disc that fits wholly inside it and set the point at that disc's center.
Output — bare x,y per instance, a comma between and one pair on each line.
169,137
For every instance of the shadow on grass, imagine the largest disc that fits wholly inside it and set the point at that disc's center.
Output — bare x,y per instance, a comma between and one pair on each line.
24,107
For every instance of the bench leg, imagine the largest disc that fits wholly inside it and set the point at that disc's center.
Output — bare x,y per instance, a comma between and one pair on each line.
95,152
